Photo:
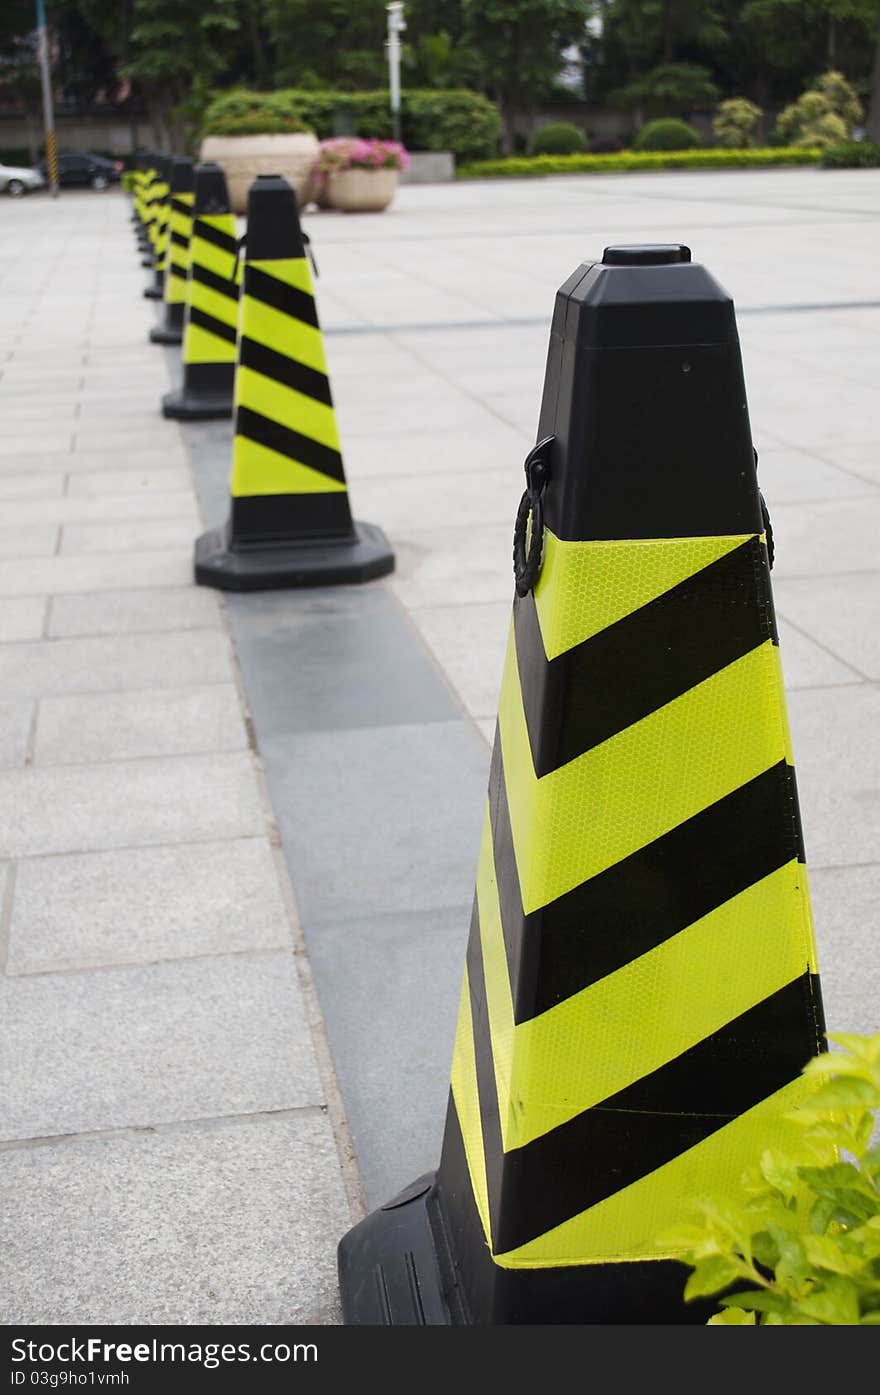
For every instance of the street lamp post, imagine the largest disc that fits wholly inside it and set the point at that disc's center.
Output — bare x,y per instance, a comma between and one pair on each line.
48,114
396,26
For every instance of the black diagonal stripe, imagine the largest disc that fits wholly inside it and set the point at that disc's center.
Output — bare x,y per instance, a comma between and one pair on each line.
280,296
180,206
290,443
288,371
198,317
631,668
175,270
537,1187
225,241
180,240
213,281
633,906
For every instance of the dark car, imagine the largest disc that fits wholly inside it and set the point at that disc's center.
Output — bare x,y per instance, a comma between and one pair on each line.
84,169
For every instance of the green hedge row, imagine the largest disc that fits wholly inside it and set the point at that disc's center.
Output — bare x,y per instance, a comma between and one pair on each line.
460,121
852,155
711,159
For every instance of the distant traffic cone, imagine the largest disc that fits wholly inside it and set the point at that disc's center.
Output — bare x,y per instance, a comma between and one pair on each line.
641,991
147,211
180,215
159,226
290,522
211,315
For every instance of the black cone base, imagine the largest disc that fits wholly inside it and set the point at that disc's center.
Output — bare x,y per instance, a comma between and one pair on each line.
364,556
166,334
183,407
389,1274
147,262
153,293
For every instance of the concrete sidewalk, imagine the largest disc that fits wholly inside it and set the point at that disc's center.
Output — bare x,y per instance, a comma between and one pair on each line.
167,1104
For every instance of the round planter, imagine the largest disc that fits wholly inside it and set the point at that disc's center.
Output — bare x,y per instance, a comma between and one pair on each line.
361,191
242,158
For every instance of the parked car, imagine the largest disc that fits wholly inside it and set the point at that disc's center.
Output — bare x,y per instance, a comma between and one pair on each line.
16,180
84,169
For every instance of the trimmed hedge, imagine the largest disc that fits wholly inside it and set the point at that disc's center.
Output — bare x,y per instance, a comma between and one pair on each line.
712,159
558,138
667,133
460,121
851,155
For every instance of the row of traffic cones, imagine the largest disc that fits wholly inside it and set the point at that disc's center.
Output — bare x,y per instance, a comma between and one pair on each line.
244,312
641,990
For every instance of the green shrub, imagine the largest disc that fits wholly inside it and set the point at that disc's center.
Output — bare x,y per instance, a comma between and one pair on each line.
734,123
558,138
667,133
801,1246
823,115
463,122
633,160
851,155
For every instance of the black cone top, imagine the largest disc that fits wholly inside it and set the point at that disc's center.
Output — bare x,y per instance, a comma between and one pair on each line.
211,194
162,166
181,175
273,229
644,395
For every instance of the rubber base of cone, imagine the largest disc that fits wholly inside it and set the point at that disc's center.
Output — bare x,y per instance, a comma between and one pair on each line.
153,293
182,408
284,566
396,1269
148,263
161,334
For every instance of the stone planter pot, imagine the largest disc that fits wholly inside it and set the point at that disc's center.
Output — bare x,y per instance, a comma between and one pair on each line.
361,191
242,158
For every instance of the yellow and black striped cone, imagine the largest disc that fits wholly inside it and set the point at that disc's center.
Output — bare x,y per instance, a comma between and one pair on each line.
211,316
290,522
158,228
180,217
640,993
147,213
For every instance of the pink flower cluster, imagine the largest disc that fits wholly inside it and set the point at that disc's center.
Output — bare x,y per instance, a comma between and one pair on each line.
351,152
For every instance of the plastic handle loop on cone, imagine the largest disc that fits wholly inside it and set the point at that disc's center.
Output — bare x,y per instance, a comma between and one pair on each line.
527,561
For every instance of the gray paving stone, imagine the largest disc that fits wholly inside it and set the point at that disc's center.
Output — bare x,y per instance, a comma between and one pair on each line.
838,766
826,539
119,571
130,612
224,1223
393,1066
30,486
469,642
100,441
290,648
28,541
372,821
88,808
149,722
151,535
16,719
164,480
790,476
448,566
109,1048
109,518
22,617
19,446
806,665
841,612
845,912
140,904
105,663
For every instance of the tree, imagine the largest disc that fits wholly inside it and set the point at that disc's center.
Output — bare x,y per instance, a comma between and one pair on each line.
735,122
518,45
866,13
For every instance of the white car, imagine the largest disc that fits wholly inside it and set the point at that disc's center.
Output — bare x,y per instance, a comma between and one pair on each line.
16,181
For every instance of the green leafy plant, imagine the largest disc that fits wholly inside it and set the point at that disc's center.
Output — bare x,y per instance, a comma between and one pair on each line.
734,123
851,155
519,167
558,138
670,90
801,1246
668,133
823,115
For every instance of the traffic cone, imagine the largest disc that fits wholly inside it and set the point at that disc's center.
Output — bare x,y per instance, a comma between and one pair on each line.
640,992
147,212
180,216
211,315
290,522
159,226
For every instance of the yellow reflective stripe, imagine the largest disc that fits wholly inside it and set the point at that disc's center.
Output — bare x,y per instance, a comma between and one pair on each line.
626,1226
293,271
201,346
222,307
282,333
212,258
597,1042
286,406
586,586
645,780
257,469
467,1105
783,709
